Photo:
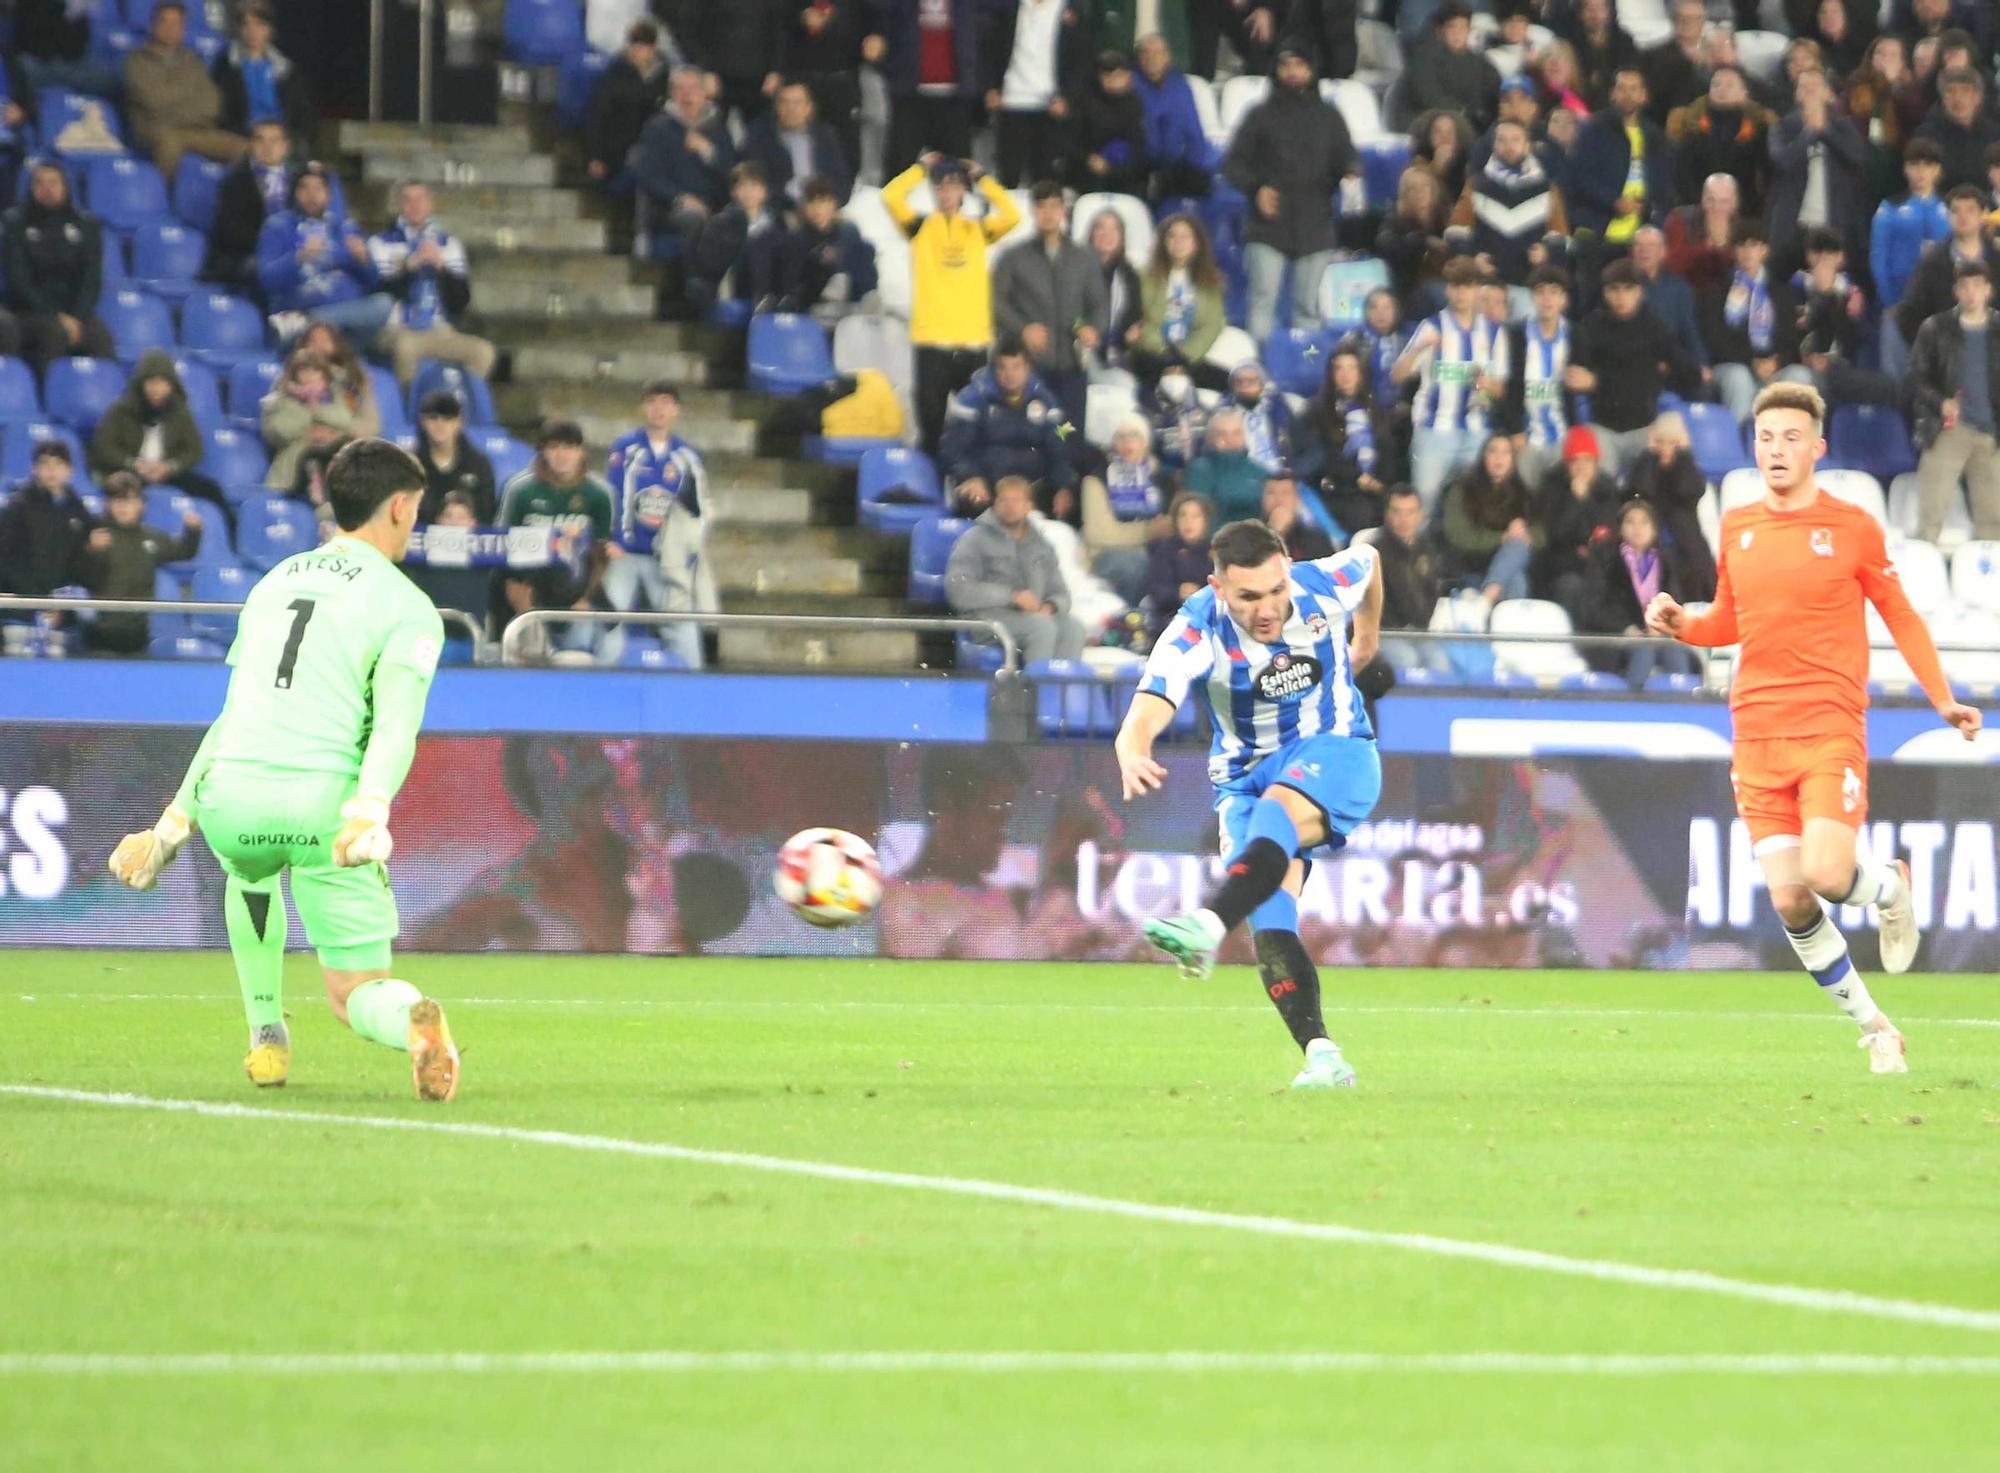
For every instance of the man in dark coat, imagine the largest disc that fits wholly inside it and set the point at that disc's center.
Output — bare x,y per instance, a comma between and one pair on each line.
1325,31
1962,124
628,93
929,57
1445,72
1289,156
44,528
823,50
1819,157
740,44
52,257
252,191
793,145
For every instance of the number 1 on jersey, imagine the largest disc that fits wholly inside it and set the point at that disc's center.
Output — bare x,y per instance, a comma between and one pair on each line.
302,612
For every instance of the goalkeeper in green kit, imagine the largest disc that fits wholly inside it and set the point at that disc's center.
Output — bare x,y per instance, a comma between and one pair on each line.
333,657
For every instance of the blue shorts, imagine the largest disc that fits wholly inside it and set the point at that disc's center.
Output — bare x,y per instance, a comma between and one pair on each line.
1343,775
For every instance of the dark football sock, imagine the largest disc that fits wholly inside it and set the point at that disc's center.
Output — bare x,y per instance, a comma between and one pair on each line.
1292,983
1253,877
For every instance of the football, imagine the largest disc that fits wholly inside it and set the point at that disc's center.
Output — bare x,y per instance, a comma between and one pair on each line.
829,876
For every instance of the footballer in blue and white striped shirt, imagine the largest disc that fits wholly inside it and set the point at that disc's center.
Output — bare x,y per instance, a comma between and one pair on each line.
1273,646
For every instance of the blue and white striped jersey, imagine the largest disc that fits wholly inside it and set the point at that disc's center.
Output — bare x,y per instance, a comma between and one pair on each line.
1448,395
1264,697
1543,362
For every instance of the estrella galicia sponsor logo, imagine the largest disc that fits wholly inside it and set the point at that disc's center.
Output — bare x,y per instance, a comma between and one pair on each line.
278,840
1287,677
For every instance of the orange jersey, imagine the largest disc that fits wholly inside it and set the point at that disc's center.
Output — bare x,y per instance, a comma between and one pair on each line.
1789,590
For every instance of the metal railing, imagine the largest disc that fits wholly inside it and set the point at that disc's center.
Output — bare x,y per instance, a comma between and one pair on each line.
476,628
1010,655
378,21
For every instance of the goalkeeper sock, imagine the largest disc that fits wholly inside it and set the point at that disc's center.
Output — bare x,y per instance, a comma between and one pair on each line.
1292,982
255,919
380,1011
1823,950
1258,870
1877,884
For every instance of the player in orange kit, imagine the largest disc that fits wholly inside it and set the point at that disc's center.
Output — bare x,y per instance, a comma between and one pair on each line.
1794,570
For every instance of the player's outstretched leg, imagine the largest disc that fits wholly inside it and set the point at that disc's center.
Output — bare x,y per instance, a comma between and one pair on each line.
254,914
1254,875
1798,875
393,1013
1291,981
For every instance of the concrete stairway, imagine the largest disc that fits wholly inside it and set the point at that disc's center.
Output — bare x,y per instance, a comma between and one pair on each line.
579,324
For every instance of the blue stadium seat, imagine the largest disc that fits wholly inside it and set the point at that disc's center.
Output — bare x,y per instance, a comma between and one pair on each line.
17,450
219,585
389,403
197,183
509,456
574,84
125,193
235,457
844,449
1683,685
1718,440
732,314
473,396
58,109
543,32
167,587
788,353
911,474
271,530
19,400
931,542
1296,359
79,390
1593,680
138,321
222,330
644,652
250,380
114,276
167,509
204,395
111,44
139,16
1383,161
167,257
974,654
1872,438
187,647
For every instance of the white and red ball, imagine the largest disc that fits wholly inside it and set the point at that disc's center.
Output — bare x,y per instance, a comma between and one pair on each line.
829,877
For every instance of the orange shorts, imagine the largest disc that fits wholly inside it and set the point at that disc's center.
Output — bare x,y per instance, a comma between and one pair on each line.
1783,781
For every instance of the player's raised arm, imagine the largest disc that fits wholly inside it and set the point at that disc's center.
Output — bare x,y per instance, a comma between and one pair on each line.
1139,771
1913,637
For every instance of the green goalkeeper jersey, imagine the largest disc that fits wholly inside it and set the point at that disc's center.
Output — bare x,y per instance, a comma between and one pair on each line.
332,661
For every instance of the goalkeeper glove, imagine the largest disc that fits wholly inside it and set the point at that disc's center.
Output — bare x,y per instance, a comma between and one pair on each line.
139,858
364,838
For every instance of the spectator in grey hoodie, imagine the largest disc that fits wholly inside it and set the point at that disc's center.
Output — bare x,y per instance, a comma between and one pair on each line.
1048,291
1005,570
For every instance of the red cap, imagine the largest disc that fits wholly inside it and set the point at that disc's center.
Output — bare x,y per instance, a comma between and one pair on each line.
1581,440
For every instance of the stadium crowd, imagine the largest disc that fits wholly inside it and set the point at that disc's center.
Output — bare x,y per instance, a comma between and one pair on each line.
1493,289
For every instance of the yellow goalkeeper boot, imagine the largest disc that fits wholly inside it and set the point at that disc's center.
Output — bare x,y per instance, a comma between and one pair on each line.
433,1056
269,1062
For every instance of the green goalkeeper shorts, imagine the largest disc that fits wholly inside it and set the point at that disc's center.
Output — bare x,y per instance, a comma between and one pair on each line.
257,827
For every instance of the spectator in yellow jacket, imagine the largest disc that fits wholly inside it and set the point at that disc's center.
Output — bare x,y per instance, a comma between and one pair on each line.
951,295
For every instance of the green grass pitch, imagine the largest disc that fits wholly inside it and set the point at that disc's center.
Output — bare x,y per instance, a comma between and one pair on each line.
1722,1124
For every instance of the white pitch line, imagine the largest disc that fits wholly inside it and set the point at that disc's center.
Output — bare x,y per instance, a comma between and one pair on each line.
982,1362
1694,1281
692,1004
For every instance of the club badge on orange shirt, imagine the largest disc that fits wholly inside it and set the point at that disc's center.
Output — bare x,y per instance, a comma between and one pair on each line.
1822,541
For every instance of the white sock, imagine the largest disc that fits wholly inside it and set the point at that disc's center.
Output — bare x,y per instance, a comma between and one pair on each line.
1212,923
1321,1046
1823,951
1874,884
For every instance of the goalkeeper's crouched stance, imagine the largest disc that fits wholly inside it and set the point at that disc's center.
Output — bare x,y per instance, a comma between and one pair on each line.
331,664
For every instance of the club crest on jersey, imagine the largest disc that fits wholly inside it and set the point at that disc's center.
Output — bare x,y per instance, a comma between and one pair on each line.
1822,541
1316,624
1287,677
